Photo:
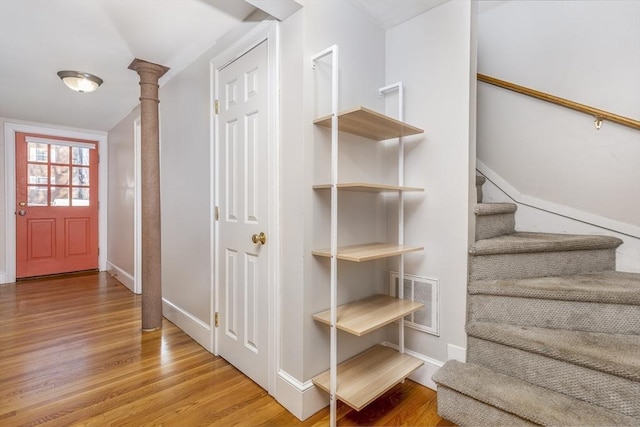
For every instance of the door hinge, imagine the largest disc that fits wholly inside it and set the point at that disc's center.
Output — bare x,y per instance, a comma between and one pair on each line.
216,106
98,251
217,213
216,319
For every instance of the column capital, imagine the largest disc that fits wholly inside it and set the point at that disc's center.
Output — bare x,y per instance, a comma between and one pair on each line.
142,66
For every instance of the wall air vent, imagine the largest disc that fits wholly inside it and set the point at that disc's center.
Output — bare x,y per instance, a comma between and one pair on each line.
425,291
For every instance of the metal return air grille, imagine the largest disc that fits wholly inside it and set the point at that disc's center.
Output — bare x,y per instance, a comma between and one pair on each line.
425,291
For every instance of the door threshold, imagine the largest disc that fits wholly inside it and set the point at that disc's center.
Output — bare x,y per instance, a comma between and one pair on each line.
59,275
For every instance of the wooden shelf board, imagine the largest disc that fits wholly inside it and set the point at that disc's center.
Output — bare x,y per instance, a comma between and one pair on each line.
363,316
369,124
367,252
366,187
368,375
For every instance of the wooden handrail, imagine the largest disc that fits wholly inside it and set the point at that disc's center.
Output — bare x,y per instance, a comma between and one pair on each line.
598,114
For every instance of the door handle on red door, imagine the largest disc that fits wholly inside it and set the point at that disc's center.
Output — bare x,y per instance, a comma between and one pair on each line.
22,212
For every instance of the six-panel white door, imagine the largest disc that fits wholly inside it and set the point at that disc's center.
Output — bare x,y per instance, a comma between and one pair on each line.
242,333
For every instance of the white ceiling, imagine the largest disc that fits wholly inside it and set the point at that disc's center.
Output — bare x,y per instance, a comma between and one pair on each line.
389,13
41,37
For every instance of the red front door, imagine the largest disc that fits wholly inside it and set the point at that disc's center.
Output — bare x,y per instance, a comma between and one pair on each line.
56,205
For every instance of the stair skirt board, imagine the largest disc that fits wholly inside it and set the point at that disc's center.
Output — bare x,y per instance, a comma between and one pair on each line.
598,388
555,314
466,411
524,265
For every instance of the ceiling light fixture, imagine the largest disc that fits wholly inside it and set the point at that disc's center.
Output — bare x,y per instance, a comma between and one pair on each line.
80,82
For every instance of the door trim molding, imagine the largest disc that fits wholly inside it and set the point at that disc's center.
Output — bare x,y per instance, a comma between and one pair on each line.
10,130
265,31
137,206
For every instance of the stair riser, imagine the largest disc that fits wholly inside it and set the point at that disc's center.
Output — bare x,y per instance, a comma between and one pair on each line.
525,265
609,391
488,226
466,411
479,181
555,314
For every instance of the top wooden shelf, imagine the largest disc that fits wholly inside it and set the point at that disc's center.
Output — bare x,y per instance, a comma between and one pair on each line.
364,122
365,187
367,251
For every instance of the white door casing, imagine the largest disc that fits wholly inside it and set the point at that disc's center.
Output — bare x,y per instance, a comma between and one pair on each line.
137,206
245,183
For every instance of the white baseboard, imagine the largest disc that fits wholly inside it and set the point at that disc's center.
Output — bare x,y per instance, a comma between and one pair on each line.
455,352
120,275
190,325
301,399
305,399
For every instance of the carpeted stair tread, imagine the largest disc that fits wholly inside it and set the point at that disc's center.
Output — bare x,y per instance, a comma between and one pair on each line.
494,208
527,242
611,287
525,400
614,393
611,353
463,411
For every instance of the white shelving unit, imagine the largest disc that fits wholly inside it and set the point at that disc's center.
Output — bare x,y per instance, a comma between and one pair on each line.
361,379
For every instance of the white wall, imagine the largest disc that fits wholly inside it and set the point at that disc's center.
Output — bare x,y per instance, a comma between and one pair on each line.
304,161
586,51
120,256
361,217
185,190
185,194
3,237
434,57
293,186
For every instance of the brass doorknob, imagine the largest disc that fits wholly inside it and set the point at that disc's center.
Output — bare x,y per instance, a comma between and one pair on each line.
259,238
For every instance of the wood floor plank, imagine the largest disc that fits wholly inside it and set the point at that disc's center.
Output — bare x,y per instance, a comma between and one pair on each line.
72,353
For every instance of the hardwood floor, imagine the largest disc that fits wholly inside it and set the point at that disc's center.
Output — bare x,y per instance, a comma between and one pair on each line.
72,353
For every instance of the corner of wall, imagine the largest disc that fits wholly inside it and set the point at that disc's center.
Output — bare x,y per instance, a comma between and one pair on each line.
301,399
192,326
120,275
423,374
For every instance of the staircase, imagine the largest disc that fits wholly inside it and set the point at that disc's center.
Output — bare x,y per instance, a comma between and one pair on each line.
553,331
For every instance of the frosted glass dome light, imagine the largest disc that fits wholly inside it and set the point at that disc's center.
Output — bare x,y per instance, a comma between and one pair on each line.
80,82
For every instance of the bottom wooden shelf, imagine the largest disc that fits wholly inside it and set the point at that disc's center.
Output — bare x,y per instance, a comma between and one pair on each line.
369,375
